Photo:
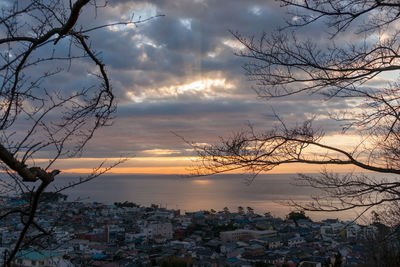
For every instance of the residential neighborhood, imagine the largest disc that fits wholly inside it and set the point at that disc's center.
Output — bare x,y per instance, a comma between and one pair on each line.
126,234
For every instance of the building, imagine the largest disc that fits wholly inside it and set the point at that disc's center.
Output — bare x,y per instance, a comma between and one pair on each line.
352,230
296,241
274,242
242,234
253,251
158,229
28,258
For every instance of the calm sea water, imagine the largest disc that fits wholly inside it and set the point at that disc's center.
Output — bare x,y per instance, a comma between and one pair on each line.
267,193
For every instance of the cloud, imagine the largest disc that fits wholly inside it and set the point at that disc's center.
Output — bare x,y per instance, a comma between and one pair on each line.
179,73
148,129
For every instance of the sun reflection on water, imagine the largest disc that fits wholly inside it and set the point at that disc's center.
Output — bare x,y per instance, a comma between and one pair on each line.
202,182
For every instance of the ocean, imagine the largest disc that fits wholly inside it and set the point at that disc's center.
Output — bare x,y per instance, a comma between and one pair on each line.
266,193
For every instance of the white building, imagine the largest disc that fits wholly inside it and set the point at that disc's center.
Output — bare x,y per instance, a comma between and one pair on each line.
352,230
331,231
157,229
296,241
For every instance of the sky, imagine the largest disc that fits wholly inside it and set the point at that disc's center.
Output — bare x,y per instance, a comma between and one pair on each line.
177,75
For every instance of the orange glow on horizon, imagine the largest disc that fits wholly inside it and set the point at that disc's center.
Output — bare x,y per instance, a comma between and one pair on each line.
182,167
162,161
133,170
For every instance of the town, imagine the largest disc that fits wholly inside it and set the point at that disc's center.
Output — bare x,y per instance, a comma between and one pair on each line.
127,234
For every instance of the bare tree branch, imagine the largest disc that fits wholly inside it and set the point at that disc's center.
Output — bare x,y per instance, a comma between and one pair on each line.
341,68
38,117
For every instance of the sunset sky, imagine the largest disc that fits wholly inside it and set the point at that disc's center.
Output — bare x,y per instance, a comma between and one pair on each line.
178,74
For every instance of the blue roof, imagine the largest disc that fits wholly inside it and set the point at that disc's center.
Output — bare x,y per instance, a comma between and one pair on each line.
231,260
16,202
242,221
37,255
99,256
352,259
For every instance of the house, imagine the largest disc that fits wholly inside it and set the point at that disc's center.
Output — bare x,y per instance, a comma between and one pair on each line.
228,248
157,229
28,258
274,258
296,241
98,235
310,264
327,232
352,230
274,242
254,251
79,244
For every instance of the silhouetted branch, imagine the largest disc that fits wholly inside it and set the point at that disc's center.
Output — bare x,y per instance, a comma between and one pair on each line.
38,111
283,64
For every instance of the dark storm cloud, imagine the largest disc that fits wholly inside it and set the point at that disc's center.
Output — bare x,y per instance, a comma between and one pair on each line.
184,38
191,40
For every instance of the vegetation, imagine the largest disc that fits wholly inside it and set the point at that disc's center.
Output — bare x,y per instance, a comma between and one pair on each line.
294,215
126,204
223,228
